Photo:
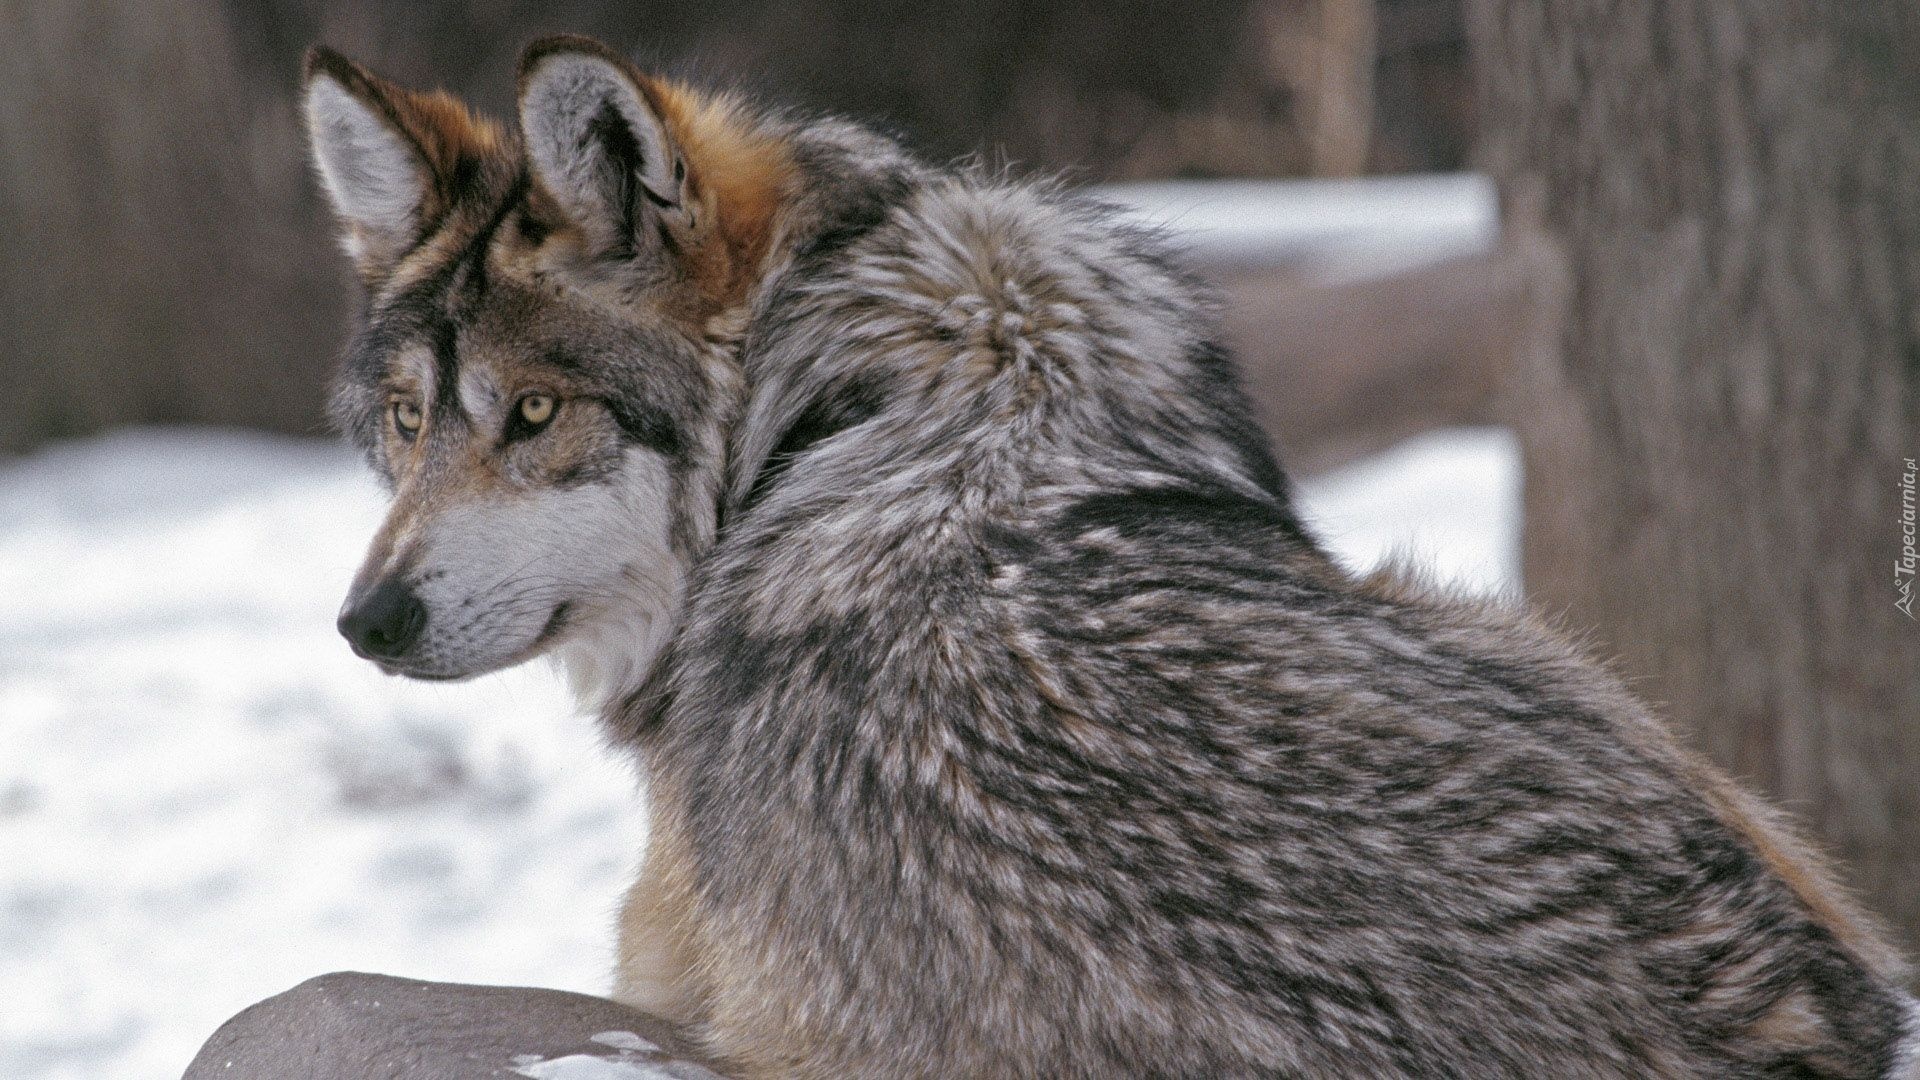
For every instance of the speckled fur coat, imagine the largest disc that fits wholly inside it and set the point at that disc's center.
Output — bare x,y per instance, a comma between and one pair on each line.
1006,722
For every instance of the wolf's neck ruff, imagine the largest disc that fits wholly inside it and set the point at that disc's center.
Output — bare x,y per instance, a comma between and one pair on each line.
1000,718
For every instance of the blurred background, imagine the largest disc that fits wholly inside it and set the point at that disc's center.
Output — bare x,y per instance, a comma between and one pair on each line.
168,259
1610,309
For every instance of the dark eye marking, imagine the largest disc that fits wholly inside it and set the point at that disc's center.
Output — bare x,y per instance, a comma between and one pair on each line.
563,359
647,426
591,471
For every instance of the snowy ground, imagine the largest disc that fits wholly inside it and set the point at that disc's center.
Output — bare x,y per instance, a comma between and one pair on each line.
1344,229
204,798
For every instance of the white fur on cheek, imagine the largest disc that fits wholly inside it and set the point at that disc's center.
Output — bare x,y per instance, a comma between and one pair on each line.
611,648
493,575
373,177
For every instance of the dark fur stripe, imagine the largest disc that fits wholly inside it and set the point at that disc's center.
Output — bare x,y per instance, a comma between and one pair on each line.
852,403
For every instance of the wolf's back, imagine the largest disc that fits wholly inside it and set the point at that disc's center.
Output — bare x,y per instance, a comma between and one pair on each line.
1020,656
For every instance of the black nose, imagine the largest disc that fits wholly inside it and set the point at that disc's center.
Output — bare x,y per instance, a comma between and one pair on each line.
384,623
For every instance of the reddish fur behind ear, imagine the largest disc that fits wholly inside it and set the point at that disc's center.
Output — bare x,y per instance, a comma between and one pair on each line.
739,176
738,173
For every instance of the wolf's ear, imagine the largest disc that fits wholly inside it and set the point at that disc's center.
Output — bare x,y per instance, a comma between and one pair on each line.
599,147
374,170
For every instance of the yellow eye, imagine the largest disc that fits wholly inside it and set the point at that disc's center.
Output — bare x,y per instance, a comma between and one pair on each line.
536,409
406,417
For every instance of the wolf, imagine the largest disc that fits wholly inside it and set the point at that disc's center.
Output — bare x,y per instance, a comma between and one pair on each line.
997,715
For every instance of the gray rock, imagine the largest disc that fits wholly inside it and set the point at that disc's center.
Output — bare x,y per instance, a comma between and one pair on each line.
353,1026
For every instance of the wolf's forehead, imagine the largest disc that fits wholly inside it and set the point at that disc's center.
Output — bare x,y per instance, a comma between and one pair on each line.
470,375
484,210
414,365
478,389
459,307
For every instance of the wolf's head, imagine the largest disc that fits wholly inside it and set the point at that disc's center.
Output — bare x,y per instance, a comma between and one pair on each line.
545,372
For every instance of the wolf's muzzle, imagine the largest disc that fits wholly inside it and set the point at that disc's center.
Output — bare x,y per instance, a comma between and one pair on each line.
385,622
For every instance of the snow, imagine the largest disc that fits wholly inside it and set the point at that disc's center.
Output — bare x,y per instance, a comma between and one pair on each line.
1339,229
588,1067
205,798
1447,502
625,1040
654,1065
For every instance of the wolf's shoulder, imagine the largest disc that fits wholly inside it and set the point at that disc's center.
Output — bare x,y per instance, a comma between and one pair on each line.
990,320
1022,241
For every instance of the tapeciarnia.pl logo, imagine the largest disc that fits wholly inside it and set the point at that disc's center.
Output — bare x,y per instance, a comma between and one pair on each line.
1903,566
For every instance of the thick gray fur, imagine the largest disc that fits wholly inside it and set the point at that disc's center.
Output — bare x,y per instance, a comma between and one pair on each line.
1014,727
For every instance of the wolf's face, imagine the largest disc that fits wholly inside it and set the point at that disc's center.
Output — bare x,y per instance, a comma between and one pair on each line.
544,465
545,372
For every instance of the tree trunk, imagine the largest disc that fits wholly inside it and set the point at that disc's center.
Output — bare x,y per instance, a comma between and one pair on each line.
1721,201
